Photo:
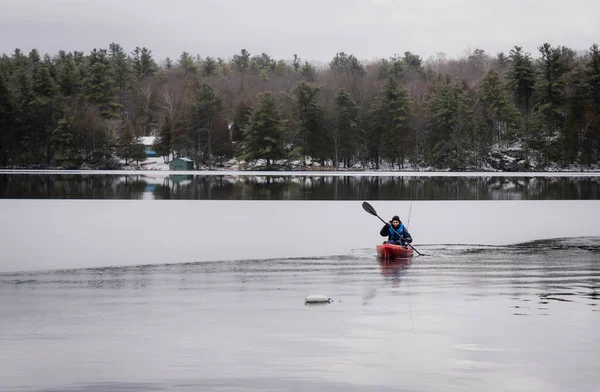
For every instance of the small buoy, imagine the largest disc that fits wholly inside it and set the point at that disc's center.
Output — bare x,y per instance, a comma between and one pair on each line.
316,299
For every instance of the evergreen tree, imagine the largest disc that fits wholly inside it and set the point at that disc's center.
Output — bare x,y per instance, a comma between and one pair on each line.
392,109
412,60
263,136
74,109
308,71
207,110
241,63
69,79
550,97
240,120
100,85
574,141
130,147
8,139
593,76
209,67
296,63
139,151
346,64
122,71
163,144
521,78
222,146
591,130
498,113
186,62
345,129
143,63
550,86
451,123
44,110
25,137
312,139
64,141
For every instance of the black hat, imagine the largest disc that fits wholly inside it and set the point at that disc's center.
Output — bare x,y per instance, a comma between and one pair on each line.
396,217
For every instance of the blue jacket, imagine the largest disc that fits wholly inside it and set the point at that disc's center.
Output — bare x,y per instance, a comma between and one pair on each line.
392,236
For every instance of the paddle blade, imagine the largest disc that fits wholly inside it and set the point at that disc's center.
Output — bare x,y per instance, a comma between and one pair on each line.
369,208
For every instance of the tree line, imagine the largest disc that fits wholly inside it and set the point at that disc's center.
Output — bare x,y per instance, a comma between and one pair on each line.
75,110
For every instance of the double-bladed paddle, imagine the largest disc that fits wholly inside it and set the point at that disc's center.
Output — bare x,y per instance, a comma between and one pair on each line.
369,208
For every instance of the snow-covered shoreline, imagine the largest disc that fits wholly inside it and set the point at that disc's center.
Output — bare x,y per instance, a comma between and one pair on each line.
158,167
320,173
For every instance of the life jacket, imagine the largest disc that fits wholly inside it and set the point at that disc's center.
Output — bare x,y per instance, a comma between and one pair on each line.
393,236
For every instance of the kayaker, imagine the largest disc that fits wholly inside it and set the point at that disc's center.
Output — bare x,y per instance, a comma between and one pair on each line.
399,228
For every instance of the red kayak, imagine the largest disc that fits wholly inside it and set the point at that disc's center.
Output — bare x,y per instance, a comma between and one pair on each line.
389,251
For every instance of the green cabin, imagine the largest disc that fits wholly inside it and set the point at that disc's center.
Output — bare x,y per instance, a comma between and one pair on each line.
181,164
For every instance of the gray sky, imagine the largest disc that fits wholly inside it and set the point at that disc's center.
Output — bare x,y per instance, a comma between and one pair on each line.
314,29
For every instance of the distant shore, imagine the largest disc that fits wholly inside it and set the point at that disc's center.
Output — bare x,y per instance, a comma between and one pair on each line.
337,173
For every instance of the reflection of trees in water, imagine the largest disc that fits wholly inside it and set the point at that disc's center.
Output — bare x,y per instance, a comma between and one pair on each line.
71,186
228,187
386,188
231,188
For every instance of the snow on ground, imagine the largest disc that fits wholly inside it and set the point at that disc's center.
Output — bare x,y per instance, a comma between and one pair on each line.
312,173
149,164
510,156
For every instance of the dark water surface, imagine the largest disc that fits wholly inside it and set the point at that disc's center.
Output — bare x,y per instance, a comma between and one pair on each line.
468,318
286,187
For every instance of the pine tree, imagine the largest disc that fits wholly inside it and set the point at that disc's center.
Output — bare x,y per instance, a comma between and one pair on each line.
100,85
44,110
8,139
312,138
64,140
263,136
308,71
345,129
139,151
591,131
346,64
69,78
296,63
209,68
574,140
392,108
240,120
186,62
498,113
122,72
143,63
241,63
130,147
521,78
550,86
163,144
593,76
222,146
207,110
451,123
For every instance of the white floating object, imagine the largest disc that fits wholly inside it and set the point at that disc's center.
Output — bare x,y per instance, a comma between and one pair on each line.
317,299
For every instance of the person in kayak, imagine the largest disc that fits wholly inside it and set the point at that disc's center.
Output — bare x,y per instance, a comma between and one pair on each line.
398,228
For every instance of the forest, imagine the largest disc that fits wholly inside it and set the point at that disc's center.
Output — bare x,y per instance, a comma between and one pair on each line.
76,110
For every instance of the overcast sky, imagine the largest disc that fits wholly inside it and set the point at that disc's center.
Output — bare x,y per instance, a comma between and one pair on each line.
314,29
